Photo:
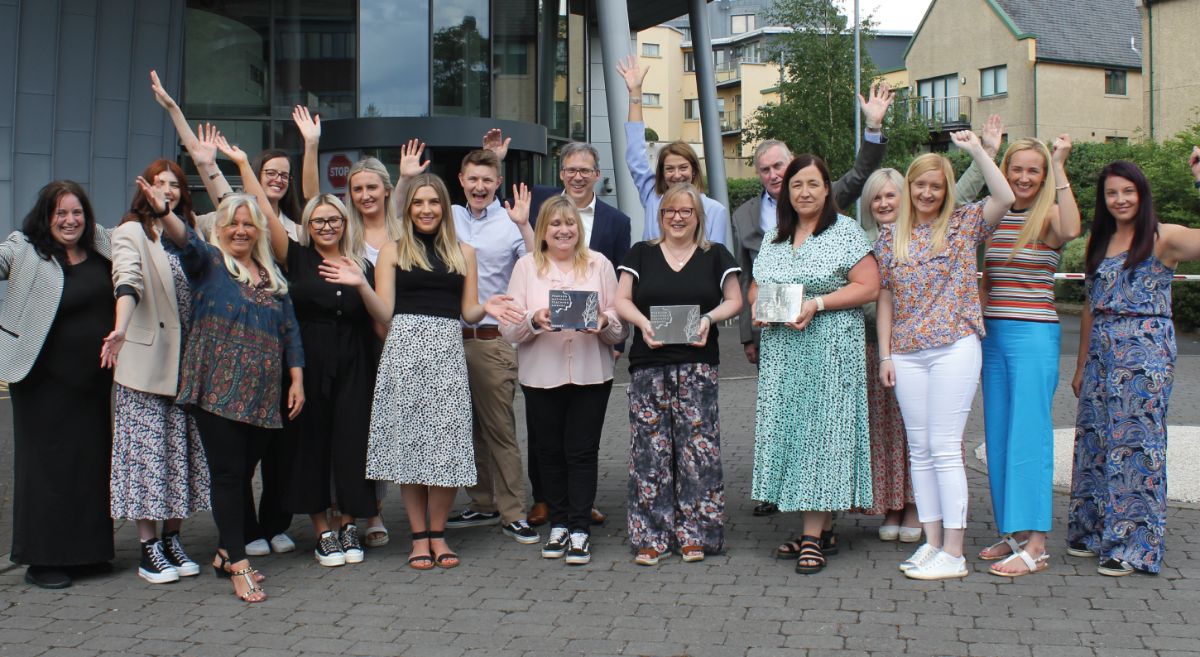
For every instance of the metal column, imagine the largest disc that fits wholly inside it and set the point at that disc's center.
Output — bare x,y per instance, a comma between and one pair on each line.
612,17
706,84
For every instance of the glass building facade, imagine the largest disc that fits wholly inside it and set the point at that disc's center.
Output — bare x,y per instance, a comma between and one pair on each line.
382,71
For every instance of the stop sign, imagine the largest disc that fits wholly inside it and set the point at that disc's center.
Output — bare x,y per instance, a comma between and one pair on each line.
336,170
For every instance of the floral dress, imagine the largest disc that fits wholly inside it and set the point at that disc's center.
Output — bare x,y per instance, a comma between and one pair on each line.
1119,482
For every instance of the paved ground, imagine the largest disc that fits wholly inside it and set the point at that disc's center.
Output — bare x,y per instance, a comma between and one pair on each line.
506,601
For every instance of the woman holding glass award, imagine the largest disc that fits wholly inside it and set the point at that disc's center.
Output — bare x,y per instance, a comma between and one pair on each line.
674,290
566,292
812,449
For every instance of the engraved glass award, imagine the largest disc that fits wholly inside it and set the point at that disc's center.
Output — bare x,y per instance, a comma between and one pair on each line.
574,309
778,303
675,324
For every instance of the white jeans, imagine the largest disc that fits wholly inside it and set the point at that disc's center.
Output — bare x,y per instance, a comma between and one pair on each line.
935,388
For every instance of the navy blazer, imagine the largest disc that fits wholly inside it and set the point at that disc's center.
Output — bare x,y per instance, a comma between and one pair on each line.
610,230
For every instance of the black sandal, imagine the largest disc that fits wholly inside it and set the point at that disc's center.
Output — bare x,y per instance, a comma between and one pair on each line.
441,559
829,542
421,561
810,551
789,549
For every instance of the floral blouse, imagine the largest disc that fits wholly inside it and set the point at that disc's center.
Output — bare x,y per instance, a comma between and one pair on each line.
935,296
240,338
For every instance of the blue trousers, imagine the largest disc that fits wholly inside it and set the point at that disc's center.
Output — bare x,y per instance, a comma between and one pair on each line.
1020,374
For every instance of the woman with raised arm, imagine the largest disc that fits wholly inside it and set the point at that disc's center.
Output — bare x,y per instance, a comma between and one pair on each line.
244,333
1123,377
420,435
1020,352
929,326
56,310
158,466
565,404
677,163
676,489
812,442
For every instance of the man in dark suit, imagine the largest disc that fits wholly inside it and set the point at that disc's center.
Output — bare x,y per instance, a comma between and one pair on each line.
755,217
606,229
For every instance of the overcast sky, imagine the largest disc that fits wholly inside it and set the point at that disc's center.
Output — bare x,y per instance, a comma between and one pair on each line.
890,14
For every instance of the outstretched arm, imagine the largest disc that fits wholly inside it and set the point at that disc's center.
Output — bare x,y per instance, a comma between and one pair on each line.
310,130
279,234
1065,223
633,75
1001,198
970,184
202,151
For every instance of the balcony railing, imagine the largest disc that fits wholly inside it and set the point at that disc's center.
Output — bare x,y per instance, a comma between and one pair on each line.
946,113
731,122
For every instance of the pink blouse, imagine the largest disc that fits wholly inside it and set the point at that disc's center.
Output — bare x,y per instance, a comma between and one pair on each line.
548,359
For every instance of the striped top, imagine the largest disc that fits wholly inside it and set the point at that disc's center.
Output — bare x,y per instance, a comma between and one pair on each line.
1023,288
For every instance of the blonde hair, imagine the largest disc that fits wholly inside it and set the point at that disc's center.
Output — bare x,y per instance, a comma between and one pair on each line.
1035,219
372,165
902,235
351,242
276,283
558,206
409,252
689,190
875,184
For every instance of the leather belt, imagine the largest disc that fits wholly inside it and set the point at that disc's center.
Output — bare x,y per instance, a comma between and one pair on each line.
486,332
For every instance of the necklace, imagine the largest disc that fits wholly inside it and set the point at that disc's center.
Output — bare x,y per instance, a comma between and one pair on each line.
675,256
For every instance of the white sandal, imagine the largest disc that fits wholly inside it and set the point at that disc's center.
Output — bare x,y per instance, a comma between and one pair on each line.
376,536
1013,547
1031,565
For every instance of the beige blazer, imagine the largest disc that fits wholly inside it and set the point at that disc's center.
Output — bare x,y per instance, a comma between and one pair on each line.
149,360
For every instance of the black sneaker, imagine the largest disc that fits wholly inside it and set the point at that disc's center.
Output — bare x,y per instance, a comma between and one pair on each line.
579,551
522,532
351,546
329,550
472,518
173,550
47,577
557,545
765,509
155,567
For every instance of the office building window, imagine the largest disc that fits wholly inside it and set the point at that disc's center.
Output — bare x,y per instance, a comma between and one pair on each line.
388,82
739,23
993,81
462,67
691,109
1114,82
650,50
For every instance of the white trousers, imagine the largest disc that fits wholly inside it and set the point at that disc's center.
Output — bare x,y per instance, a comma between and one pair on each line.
935,388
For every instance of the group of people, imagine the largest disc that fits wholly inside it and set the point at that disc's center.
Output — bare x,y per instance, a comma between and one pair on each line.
381,339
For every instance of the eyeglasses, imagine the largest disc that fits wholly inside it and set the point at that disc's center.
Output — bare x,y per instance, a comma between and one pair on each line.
683,213
322,223
575,171
272,174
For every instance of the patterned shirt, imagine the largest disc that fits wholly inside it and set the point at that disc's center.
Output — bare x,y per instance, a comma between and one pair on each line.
935,296
1021,288
240,339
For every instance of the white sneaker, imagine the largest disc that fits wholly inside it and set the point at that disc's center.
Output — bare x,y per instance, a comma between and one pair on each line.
909,534
920,557
281,542
258,548
942,566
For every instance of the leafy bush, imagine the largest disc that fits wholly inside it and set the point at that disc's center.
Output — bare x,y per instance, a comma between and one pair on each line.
742,190
651,135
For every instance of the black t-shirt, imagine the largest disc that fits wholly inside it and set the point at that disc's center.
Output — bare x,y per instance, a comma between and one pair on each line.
656,284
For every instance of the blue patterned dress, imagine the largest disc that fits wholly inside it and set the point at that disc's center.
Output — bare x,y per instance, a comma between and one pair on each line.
1119,483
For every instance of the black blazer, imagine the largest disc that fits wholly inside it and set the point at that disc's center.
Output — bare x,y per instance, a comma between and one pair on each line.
610,230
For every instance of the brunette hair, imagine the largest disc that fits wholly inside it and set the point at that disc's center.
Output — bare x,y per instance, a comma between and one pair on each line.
786,216
288,204
681,149
482,157
1104,225
140,210
36,225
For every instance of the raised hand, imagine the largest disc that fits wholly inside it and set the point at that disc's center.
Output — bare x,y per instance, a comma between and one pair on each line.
494,141
992,133
160,95
155,195
410,159
518,205
110,348
967,140
204,151
342,271
876,107
633,74
309,124
230,151
1194,162
504,309
1060,150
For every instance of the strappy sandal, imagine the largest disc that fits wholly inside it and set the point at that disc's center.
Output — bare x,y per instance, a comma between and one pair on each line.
248,576
446,560
792,548
810,551
1014,547
789,549
829,542
223,570
1032,565
421,561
